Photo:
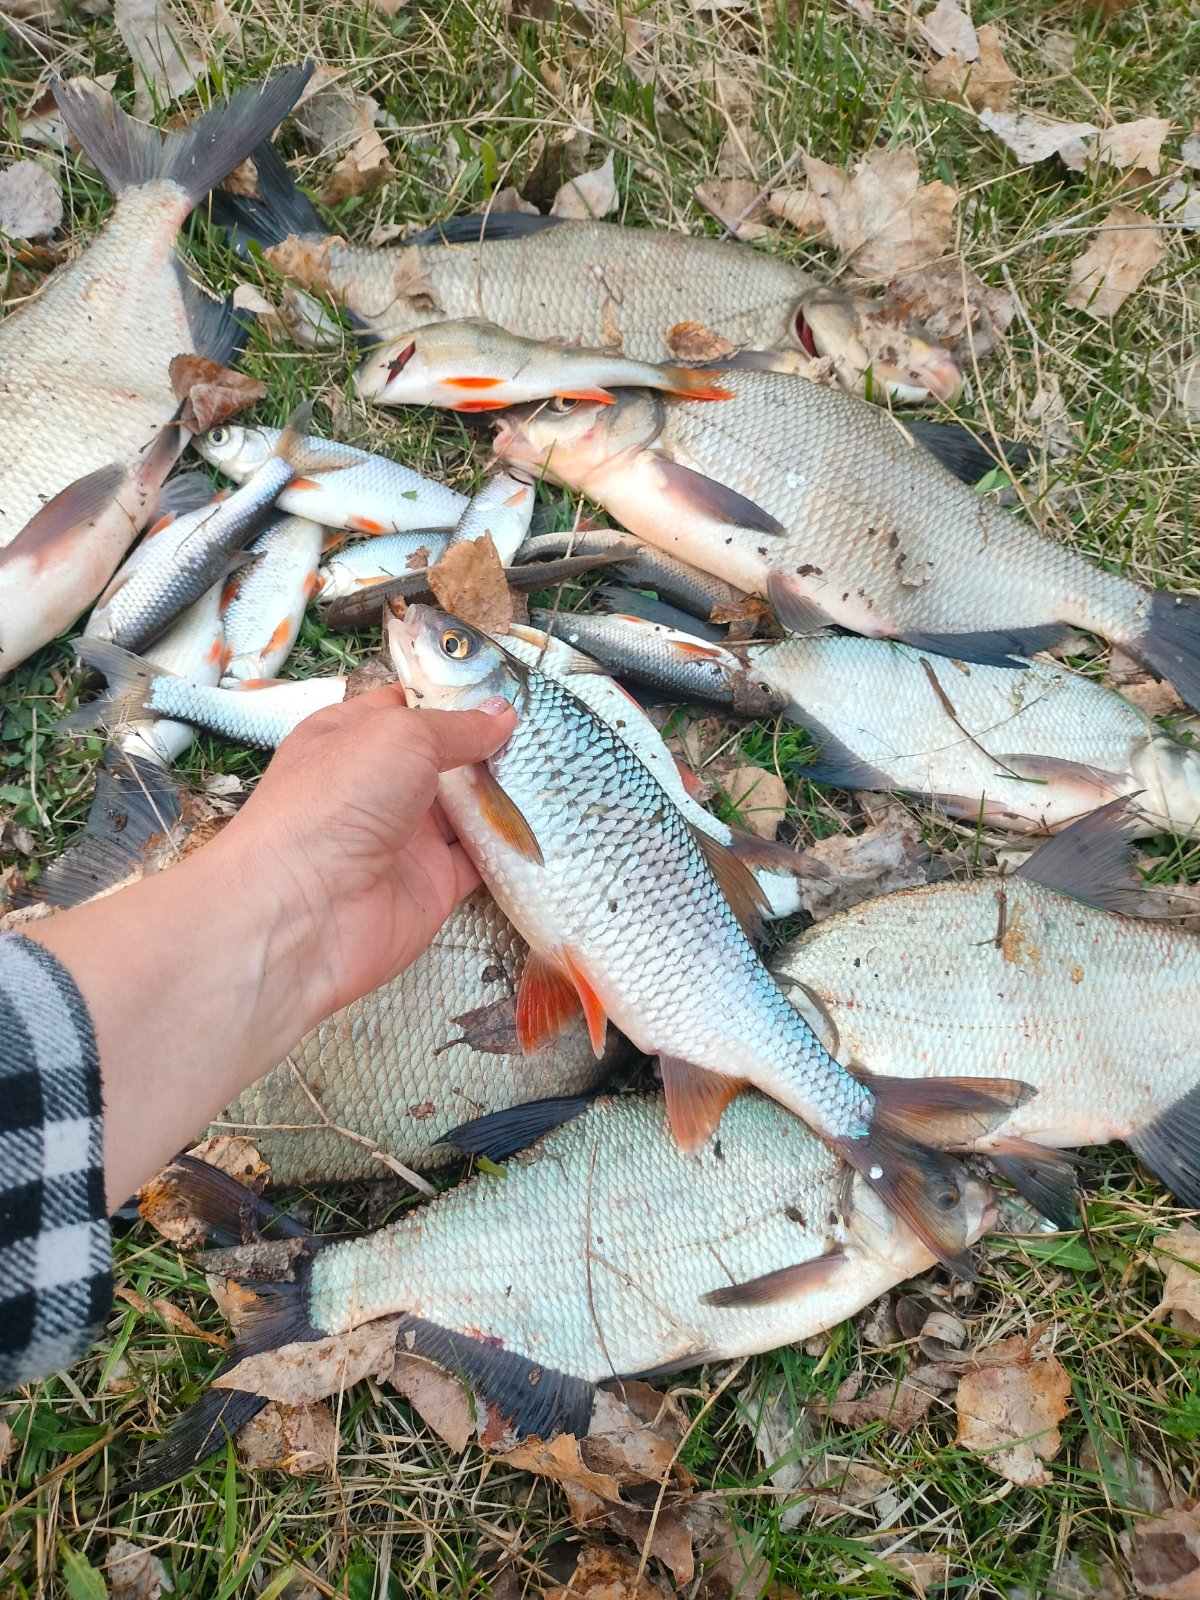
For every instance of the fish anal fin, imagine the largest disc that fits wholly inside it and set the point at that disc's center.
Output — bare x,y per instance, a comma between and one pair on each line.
1048,1179
736,882
1170,1146
792,606
788,1283
505,817
696,1100
593,1008
708,498
1092,860
66,517
532,1399
1099,784
547,1001
501,1134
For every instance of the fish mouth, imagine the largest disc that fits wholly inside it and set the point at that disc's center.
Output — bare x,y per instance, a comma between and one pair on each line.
401,643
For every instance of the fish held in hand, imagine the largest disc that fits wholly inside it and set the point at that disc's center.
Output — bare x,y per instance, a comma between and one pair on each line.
628,913
767,1240
83,461
476,366
821,505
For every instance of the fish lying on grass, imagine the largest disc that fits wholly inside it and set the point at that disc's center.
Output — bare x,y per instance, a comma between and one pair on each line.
602,1252
84,455
1025,749
673,580
470,365
629,913
600,284
339,486
264,603
398,1069
1033,975
817,502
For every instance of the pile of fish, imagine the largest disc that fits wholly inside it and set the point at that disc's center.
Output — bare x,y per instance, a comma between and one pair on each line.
784,550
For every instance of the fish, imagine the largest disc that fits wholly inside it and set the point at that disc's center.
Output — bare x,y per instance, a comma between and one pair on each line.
397,1070
193,647
85,456
264,602
1049,974
469,365
601,1252
599,284
339,486
674,580
1028,749
501,508
816,502
630,914
258,713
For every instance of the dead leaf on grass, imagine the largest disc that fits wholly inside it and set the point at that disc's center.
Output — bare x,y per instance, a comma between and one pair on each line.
30,202
297,1440
949,304
1150,695
1126,247
336,120
1033,137
923,1569
592,194
602,1573
982,79
949,31
133,1573
901,1404
692,341
1009,1410
881,217
210,392
885,856
296,1374
304,261
1181,205
800,209
1164,1555
736,205
469,582
1138,1483
1178,1257
166,61
8,1441
441,1400
760,797
1134,144
509,199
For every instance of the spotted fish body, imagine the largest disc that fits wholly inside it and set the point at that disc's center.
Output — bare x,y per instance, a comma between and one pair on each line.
407,1063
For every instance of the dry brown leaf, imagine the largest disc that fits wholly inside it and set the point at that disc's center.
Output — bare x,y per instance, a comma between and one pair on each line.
8,1441
360,170
236,1158
883,857
1134,144
298,1440
605,1574
924,1569
441,1400
760,797
1010,1408
949,31
469,582
1126,247
133,1573
179,1322
1164,1555
983,81
692,341
1138,1482
1032,137
1178,1256
561,1460
1181,205
592,194
949,305
210,392
305,261
509,199
236,1303
800,209
735,204
882,219
338,121
166,62
297,1374
30,202
901,1405
1155,697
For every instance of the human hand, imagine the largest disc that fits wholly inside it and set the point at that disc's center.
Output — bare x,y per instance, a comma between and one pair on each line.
344,843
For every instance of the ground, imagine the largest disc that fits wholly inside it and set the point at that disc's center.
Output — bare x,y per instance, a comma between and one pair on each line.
483,96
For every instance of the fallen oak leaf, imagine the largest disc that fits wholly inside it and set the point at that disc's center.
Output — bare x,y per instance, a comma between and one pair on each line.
760,797
469,582
949,31
1009,1407
237,1158
1125,248
602,1573
1134,144
30,201
1178,1257
950,306
210,392
561,1459
882,219
800,209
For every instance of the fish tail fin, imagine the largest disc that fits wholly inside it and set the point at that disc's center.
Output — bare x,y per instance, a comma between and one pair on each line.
695,383
130,682
1170,642
1170,1147
129,154
277,1316
280,208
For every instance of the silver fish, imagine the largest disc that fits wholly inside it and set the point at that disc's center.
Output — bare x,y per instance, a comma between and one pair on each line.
265,602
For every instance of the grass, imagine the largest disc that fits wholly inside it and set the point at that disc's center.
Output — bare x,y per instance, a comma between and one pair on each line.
483,95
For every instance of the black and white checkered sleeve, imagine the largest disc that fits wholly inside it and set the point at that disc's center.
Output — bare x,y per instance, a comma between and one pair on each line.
55,1249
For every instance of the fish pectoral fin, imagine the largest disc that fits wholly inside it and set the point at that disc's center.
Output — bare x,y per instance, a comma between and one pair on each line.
1092,860
1048,1179
695,492
945,1113
925,1188
505,816
593,1008
1099,784
696,1100
736,882
68,516
1170,1147
501,1134
791,605
695,383
547,1001
788,1283
533,1399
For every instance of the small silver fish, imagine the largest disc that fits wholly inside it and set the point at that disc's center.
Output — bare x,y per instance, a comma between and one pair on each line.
264,603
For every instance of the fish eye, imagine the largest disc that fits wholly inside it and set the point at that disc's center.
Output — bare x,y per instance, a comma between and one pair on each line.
457,644
563,402
396,367
218,435
948,1198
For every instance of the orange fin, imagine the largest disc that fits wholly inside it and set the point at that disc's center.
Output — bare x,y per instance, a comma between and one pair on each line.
304,483
786,1284
481,405
505,817
737,883
696,1100
547,1000
366,525
692,784
70,513
472,383
281,635
695,384
602,397
593,1010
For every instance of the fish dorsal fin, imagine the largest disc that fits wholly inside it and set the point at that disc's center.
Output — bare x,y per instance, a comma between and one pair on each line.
788,1283
1092,860
70,512
505,816
696,1100
707,497
482,225
736,881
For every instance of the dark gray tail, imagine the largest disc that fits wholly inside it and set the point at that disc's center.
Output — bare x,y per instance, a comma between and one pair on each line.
1170,643
279,208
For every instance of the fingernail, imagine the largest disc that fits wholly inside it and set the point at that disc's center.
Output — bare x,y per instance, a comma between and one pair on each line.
494,705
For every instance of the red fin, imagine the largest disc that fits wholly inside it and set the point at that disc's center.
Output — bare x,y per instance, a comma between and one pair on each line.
696,385
216,649
313,584
602,397
702,651
281,635
481,405
547,1000
695,1100
786,1284
505,817
737,883
691,783
472,383
366,525
593,1010
163,522
71,513
304,483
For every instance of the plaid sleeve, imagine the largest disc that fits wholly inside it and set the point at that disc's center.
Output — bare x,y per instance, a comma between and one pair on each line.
55,1250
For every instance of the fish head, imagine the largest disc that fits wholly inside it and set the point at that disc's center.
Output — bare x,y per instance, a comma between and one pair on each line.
236,450
445,664
876,1233
572,439
868,349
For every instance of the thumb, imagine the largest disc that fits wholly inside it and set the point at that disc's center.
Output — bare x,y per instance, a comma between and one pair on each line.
460,738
